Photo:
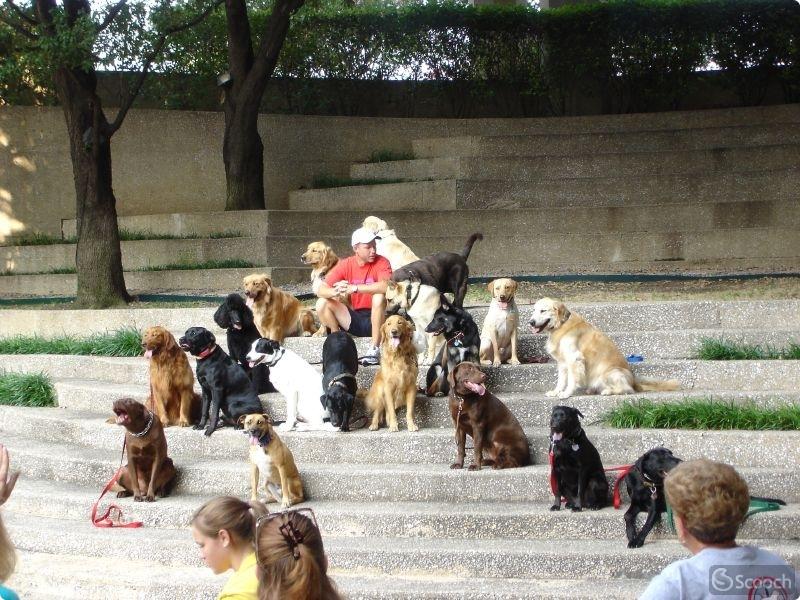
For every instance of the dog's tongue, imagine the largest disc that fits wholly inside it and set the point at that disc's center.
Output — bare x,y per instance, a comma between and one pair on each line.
502,305
121,418
254,440
237,325
148,354
395,342
475,387
249,302
557,436
251,363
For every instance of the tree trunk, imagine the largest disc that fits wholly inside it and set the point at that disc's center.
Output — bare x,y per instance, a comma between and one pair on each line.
243,154
98,258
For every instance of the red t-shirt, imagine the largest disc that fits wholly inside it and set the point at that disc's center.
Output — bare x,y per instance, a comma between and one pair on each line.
348,269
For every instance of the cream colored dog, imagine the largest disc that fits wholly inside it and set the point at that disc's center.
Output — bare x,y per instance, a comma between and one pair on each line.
499,334
586,357
387,244
419,301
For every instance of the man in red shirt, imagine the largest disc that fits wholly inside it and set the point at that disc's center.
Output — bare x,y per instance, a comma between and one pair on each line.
363,276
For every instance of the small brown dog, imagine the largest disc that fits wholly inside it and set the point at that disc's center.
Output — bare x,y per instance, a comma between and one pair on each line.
149,468
270,456
499,334
480,414
172,394
276,313
395,383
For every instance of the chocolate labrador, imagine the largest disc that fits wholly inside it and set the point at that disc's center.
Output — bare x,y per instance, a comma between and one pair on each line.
480,414
578,473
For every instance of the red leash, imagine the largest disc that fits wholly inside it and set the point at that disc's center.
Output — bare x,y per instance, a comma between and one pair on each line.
106,520
623,471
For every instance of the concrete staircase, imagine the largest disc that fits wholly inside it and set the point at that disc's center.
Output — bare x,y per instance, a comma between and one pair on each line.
397,522
695,192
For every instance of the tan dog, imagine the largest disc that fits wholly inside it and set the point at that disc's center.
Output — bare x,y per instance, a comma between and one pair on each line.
395,383
388,245
587,358
499,334
276,313
322,259
270,456
172,395
420,302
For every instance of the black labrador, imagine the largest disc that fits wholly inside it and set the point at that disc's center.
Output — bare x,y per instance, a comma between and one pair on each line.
226,387
236,318
578,474
339,369
446,271
462,344
645,485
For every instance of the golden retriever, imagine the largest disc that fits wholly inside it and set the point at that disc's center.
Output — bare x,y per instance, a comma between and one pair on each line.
172,395
276,313
586,357
322,259
388,245
395,382
499,334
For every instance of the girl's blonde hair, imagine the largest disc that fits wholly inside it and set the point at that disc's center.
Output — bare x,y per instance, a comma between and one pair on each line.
290,571
8,557
229,513
710,497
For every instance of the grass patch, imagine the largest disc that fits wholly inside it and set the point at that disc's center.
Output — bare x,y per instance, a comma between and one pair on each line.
702,413
233,263
331,181
120,342
26,389
218,235
379,156
58,271
38,239
712,349
132,235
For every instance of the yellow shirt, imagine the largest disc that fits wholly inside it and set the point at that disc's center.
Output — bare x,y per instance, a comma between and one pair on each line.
243,585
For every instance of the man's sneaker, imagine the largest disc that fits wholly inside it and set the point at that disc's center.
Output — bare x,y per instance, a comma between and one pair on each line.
372,357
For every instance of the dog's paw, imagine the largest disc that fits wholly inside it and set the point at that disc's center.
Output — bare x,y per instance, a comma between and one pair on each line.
199,426
209,430
563,395
393,427
496,362
124,494
486,362
556,507
514,360
286,503
576,509
551,393
138,498
473,467
150,498
374,427
413,426
183,423
457,465
635,543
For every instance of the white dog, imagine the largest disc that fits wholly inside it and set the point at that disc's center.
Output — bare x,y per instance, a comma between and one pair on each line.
499,334
297,381
420,302
387,244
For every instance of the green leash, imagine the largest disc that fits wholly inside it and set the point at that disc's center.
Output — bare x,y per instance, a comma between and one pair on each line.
757,505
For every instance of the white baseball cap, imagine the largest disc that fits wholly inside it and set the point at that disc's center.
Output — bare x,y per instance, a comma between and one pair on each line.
362,235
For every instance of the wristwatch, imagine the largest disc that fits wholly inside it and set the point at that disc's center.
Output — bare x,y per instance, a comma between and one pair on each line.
355,288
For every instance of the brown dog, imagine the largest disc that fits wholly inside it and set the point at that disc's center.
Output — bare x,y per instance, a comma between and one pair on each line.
149,468
480,414
172,394
270,456
395,383
276,313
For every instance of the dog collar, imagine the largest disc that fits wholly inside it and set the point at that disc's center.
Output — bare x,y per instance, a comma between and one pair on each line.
146,429
338,379
206,352
264,440
456,339
409,300
276,357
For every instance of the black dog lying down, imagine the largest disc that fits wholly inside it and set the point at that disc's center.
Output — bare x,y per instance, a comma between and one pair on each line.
645,485
446,271
236,318
578,473
226,386
339,368
462,345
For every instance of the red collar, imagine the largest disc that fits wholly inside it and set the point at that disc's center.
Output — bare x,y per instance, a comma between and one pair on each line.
206,352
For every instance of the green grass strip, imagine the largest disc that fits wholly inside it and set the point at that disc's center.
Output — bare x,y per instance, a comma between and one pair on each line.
380,156
234,263
330,181
702,413
121,342
26,389
713,349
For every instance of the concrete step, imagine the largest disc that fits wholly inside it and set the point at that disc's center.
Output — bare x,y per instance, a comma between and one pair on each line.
346,482
611,317
417,195
427,446
247,223
488,519
675,140
753,376
42,576
587,164
460,557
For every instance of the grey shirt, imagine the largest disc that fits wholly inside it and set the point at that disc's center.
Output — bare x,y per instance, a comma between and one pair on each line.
740,573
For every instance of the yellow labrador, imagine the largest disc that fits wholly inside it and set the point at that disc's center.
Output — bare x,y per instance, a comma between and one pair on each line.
586,357
499,334
388,245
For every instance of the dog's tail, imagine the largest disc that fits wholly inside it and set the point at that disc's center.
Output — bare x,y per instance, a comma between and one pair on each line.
308,322
655,385
468,246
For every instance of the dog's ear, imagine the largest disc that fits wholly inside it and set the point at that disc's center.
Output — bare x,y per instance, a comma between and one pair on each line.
241,420
490,287
562,312
577,412
514,286
267,418
445,302
451,377
169,342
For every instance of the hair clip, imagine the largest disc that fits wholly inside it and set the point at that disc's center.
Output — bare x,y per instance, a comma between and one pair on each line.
293,537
